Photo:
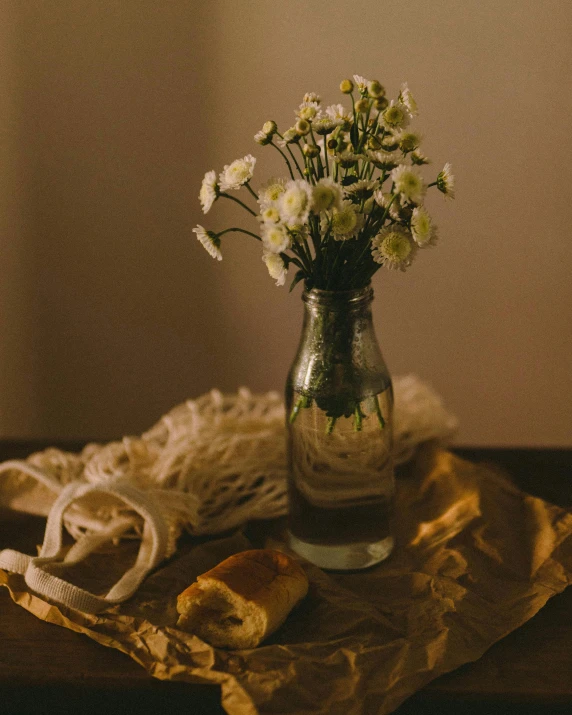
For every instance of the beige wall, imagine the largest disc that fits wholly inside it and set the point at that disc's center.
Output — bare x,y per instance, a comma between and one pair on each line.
112,110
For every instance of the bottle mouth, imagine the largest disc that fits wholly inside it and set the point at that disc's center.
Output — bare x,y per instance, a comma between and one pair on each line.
317,296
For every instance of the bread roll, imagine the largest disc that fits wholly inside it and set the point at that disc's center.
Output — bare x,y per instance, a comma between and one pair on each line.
242,600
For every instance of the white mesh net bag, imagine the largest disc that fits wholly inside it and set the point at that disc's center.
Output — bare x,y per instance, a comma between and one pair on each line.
208,465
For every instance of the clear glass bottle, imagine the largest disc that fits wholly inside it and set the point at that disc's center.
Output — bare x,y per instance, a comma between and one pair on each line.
339,413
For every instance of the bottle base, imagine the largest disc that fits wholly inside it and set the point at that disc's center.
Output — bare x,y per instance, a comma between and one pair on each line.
343,557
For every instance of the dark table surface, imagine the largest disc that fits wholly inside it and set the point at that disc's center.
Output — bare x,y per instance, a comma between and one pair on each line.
48,669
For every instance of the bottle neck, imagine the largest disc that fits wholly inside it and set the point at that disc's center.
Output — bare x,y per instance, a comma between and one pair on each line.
345,301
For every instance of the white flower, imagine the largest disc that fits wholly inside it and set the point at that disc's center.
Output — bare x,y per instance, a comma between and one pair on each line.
210,241
446,182
309,111
270,215
393,247
235,175
384,159
270,192
386,199
289,137
360,190
344,222
409,183
417,157
312,97
275,266
327,194
396,116
209,191
408,141
422,227
275,238
339,114
294,204
347,158
361,82
406,98
324,126
262,138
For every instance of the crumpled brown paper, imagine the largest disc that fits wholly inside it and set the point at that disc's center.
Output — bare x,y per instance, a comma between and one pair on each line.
475,558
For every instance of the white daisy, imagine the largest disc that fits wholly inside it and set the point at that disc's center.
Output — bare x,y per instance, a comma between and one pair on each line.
344,222
210,241
408,141
235,175
209,191
339,114
384,159
324,126
347,158
446,182
262,138
386,199
327,194
423,229
361,83
275,266
406,98
360,190
417,157
275,238
270,192
409,183
309,111
396,116
294,204
270,215
393,247
312,97
289,137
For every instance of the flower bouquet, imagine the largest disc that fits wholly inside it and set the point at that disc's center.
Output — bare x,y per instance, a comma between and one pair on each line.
353,200
351,203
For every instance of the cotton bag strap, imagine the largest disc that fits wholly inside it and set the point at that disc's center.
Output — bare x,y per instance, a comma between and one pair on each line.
39,571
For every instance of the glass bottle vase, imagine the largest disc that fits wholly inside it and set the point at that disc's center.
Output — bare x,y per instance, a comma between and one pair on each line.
339,414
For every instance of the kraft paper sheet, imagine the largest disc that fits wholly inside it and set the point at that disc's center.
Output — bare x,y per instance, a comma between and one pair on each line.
475,559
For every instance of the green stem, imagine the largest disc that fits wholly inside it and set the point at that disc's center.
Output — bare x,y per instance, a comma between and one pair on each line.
358,416
378,413
303,401
330,425
249,187
238,201
320,165
294,160
284,157
238,230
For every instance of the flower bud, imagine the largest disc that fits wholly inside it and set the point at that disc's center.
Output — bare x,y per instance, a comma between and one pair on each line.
375,89
346,86
362,105
302,127
381,103
310,150
269,128
332,144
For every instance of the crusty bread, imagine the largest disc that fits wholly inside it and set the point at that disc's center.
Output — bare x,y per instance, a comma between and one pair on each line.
242,600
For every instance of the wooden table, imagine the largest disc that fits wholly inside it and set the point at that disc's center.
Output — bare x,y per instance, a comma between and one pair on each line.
48,669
